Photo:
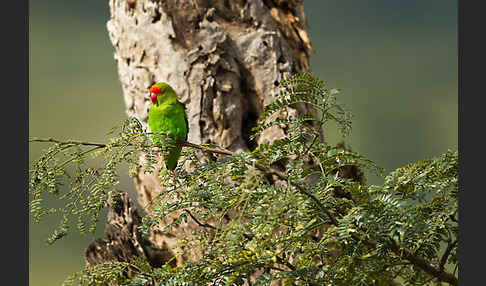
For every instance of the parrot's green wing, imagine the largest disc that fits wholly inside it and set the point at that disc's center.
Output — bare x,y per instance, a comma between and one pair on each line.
175,152
170,118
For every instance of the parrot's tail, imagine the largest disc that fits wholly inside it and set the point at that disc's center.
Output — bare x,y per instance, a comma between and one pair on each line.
173,157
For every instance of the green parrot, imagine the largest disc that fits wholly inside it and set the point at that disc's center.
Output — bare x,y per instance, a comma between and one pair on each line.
168,115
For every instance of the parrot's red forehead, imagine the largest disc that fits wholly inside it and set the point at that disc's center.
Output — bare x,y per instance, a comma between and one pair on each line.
155,89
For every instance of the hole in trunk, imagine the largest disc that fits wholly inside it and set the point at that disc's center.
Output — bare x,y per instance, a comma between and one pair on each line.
157,16
250,120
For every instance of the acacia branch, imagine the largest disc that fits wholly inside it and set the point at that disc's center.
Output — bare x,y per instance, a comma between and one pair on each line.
417,261
200,223
104,145
261,167
247,236
446,254
204,148
284,177
80,155
69,142
421,263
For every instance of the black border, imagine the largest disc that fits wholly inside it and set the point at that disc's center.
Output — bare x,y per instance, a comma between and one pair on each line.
15,87
471,56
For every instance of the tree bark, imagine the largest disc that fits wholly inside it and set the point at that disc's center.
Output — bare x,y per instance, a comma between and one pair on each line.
225,60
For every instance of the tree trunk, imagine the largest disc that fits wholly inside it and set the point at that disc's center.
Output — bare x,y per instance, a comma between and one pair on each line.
224,58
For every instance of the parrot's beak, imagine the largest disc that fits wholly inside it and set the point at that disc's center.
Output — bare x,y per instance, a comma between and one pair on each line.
153,98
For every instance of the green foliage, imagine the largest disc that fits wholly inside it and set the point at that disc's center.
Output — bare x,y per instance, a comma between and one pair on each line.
305,88
68,164
260,223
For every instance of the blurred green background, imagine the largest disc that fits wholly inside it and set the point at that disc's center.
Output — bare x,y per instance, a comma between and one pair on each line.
395,61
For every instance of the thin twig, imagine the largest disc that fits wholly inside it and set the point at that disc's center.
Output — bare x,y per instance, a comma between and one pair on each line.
204,148
303,191
415,260
200,223
79,155
74,142
286,263
317,134
103,145
446,254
